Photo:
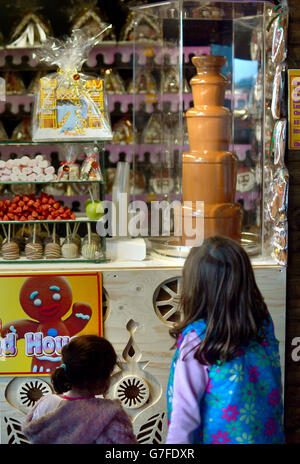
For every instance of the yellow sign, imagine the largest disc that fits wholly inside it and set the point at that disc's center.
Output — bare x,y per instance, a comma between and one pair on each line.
294,108
40,313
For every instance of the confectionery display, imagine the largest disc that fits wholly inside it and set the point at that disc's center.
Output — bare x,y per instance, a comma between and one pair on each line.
26,169
72,106
32,244
34,208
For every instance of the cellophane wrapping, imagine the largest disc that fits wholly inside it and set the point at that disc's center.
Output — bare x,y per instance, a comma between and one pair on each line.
70,105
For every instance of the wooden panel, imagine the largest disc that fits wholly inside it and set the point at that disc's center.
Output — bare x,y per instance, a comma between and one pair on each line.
131,298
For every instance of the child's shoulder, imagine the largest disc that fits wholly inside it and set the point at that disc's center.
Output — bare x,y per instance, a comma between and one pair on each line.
198,326
44,405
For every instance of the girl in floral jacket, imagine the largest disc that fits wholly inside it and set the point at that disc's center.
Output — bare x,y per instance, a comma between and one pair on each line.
75,415
225,379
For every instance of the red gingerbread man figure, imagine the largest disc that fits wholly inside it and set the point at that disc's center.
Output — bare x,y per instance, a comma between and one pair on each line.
46,299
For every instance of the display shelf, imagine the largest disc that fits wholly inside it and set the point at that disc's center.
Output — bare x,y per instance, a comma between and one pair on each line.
79,181
82,220
47,142
108,53
24,260
14,102
152,260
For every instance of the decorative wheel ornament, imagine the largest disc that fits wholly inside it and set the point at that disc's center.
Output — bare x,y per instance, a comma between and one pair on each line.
133,392
30,391
166,301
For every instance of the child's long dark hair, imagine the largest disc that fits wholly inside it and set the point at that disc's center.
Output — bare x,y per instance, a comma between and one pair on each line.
218,285
87,363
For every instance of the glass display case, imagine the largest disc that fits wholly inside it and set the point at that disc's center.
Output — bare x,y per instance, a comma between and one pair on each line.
203,122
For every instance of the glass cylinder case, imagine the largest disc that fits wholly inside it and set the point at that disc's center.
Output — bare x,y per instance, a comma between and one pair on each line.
199,118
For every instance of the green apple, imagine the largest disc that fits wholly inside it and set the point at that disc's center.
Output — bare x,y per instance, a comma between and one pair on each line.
94,209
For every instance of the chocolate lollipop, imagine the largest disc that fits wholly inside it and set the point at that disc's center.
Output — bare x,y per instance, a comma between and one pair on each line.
34,249
91,248
69,249
52,247
10,249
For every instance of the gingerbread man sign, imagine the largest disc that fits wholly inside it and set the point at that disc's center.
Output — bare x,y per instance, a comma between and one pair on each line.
46,299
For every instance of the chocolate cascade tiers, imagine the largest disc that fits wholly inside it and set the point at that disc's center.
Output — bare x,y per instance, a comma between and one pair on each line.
209,170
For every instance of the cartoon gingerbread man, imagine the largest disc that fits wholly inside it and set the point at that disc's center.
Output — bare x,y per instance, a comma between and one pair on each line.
46,299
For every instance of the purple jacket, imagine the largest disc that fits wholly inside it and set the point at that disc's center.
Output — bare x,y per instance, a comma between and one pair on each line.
84,421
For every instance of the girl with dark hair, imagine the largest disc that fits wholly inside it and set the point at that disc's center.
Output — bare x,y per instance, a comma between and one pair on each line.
75,415
225,379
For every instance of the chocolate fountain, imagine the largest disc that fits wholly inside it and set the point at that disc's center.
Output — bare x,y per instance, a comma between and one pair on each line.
209,170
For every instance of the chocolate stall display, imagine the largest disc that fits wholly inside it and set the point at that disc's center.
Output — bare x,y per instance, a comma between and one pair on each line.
209,169
70,105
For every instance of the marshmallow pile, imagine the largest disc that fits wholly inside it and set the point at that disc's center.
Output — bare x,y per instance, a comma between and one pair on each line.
26,169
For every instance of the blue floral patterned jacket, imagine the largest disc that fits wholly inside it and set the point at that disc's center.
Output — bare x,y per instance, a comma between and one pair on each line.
242,403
